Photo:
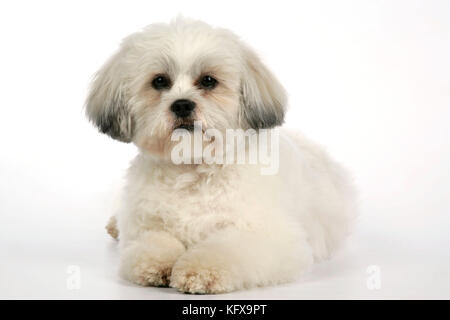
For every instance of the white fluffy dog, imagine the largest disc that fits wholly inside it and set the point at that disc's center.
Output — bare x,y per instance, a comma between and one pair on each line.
212,228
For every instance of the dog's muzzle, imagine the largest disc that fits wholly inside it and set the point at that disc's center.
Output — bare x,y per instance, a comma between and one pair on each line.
182,108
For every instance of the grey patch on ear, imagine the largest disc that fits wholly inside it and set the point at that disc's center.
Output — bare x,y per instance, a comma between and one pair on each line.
112,118
117,123
107,104
263,98
262,117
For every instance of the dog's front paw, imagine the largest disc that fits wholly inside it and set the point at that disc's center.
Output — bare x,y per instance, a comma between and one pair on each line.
146,271
196,276
202,281
148,274
149,261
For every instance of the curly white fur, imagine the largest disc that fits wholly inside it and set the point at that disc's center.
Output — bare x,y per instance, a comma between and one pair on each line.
213,228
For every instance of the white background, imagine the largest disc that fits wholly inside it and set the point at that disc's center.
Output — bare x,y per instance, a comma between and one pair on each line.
370,80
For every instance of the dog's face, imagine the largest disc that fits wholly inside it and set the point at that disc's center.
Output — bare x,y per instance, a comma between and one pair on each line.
168,76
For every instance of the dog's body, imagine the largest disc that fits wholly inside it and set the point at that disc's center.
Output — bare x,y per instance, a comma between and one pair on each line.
211,228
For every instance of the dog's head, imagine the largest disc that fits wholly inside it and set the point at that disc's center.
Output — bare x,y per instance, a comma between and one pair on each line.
170,75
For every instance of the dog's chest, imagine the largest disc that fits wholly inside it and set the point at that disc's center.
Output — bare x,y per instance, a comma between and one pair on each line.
190,205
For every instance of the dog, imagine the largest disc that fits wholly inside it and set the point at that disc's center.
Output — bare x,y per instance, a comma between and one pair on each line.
212,227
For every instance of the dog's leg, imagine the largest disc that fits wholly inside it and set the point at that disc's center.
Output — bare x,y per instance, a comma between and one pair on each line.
111,228
148,260
234,260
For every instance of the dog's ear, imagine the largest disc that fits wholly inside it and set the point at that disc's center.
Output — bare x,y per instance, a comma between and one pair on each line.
107,104
263,98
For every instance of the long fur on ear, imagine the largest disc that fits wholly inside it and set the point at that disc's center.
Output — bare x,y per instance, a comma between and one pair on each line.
107,103
263,97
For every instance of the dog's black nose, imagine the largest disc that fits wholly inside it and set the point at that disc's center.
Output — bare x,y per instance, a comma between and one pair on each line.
182,108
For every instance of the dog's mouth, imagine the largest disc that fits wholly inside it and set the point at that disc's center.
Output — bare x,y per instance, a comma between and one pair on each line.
188,124
185,125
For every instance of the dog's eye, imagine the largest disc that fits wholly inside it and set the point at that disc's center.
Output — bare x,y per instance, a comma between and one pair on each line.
208,82
161,82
